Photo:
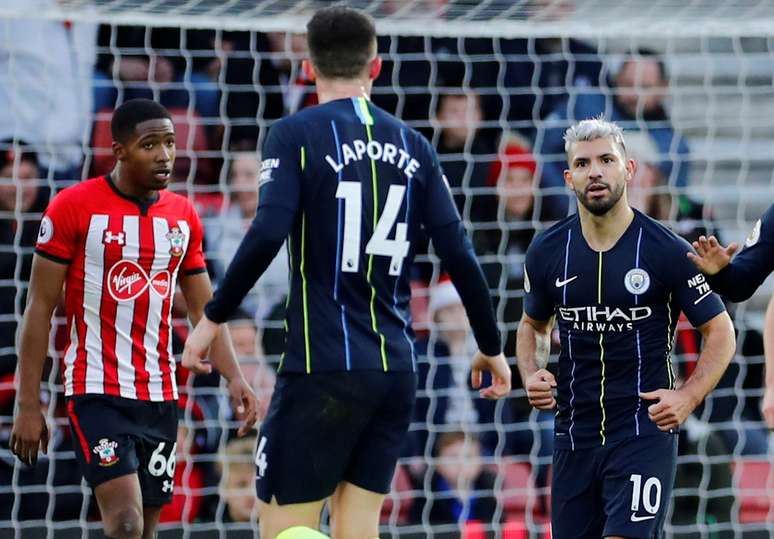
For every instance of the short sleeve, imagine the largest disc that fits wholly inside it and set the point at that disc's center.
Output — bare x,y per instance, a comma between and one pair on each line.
439,207
689,287
193,262
281,169
58,235
538,303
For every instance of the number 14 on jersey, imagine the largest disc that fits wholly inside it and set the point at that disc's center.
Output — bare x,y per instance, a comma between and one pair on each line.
379,244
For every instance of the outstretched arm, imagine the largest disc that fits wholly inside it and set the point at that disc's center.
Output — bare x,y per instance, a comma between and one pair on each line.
29,429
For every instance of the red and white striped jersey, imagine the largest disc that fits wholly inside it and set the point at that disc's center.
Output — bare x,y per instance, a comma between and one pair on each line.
124,256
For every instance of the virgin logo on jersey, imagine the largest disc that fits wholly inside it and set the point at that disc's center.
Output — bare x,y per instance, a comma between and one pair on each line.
598,318
127,281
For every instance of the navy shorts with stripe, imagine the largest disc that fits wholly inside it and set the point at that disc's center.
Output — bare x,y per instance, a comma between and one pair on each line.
329,427
114,436
621,489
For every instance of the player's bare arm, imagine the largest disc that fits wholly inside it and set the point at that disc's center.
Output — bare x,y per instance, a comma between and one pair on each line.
711,256
768,348
533,346
674,406
198,291
29,429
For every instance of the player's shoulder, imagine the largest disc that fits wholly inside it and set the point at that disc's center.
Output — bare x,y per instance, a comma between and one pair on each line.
555,235
661,237
767,219
87,190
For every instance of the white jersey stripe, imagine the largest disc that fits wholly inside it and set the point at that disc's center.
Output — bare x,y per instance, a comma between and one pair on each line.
155,304
69,359
125,314
186,230
92,301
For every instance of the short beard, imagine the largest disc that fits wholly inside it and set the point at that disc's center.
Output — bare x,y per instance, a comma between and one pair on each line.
600,207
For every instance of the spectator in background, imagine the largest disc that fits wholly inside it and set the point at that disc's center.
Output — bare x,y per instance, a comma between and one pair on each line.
461,489
237,485
444,395
266,81
19,222
224,232
45,87
464,152
638,90
178,69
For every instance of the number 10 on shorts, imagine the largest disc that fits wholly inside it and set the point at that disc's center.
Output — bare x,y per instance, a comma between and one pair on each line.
645,493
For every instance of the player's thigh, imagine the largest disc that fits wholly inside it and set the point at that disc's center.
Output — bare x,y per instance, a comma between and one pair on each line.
577,511
156,441
307,438
637,486
103,440
373,458
274,518
355,512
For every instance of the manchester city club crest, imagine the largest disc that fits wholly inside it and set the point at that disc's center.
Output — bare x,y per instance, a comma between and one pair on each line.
176,240
106,450
637,281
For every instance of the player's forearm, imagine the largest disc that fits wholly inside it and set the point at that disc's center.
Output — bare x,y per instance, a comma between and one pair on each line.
717,351
223,357
768,343
33,348
533,347
742,277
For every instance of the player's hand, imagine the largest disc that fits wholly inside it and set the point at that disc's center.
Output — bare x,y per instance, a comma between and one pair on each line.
501,375
673,407
711,257
768,407
244,403
540,390
197,346
29,434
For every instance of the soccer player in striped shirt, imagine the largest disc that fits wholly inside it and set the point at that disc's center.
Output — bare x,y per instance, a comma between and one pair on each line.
120,244
615,281
352,186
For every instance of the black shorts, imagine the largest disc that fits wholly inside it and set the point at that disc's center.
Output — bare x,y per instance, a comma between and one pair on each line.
621,489
325,428
114,436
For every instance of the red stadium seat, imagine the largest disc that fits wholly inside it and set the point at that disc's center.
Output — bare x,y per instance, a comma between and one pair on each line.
754,485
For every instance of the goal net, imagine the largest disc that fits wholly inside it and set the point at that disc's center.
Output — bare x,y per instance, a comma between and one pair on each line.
492,84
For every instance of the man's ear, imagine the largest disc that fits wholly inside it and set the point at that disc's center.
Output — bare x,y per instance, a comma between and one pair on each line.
119,151
375,68
308,70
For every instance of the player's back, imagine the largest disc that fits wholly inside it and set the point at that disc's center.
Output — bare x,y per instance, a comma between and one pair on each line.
363,184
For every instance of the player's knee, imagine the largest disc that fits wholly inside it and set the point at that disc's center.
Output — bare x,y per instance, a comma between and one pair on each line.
126,523
301,532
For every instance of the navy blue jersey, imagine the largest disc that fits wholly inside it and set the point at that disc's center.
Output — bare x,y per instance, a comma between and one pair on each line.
616,312
747,271
356,186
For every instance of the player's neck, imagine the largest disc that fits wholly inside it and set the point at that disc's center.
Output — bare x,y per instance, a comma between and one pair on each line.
331,90
602,232
128,188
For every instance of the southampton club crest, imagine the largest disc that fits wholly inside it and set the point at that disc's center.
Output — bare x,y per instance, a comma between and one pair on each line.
176,241
106,450
637,281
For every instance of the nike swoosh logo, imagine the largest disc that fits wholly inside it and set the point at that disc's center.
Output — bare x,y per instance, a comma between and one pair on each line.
635,518
560,284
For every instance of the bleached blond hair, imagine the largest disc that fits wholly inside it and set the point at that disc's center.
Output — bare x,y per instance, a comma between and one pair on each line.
593,129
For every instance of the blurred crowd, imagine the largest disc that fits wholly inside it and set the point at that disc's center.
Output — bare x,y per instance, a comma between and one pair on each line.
495,110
